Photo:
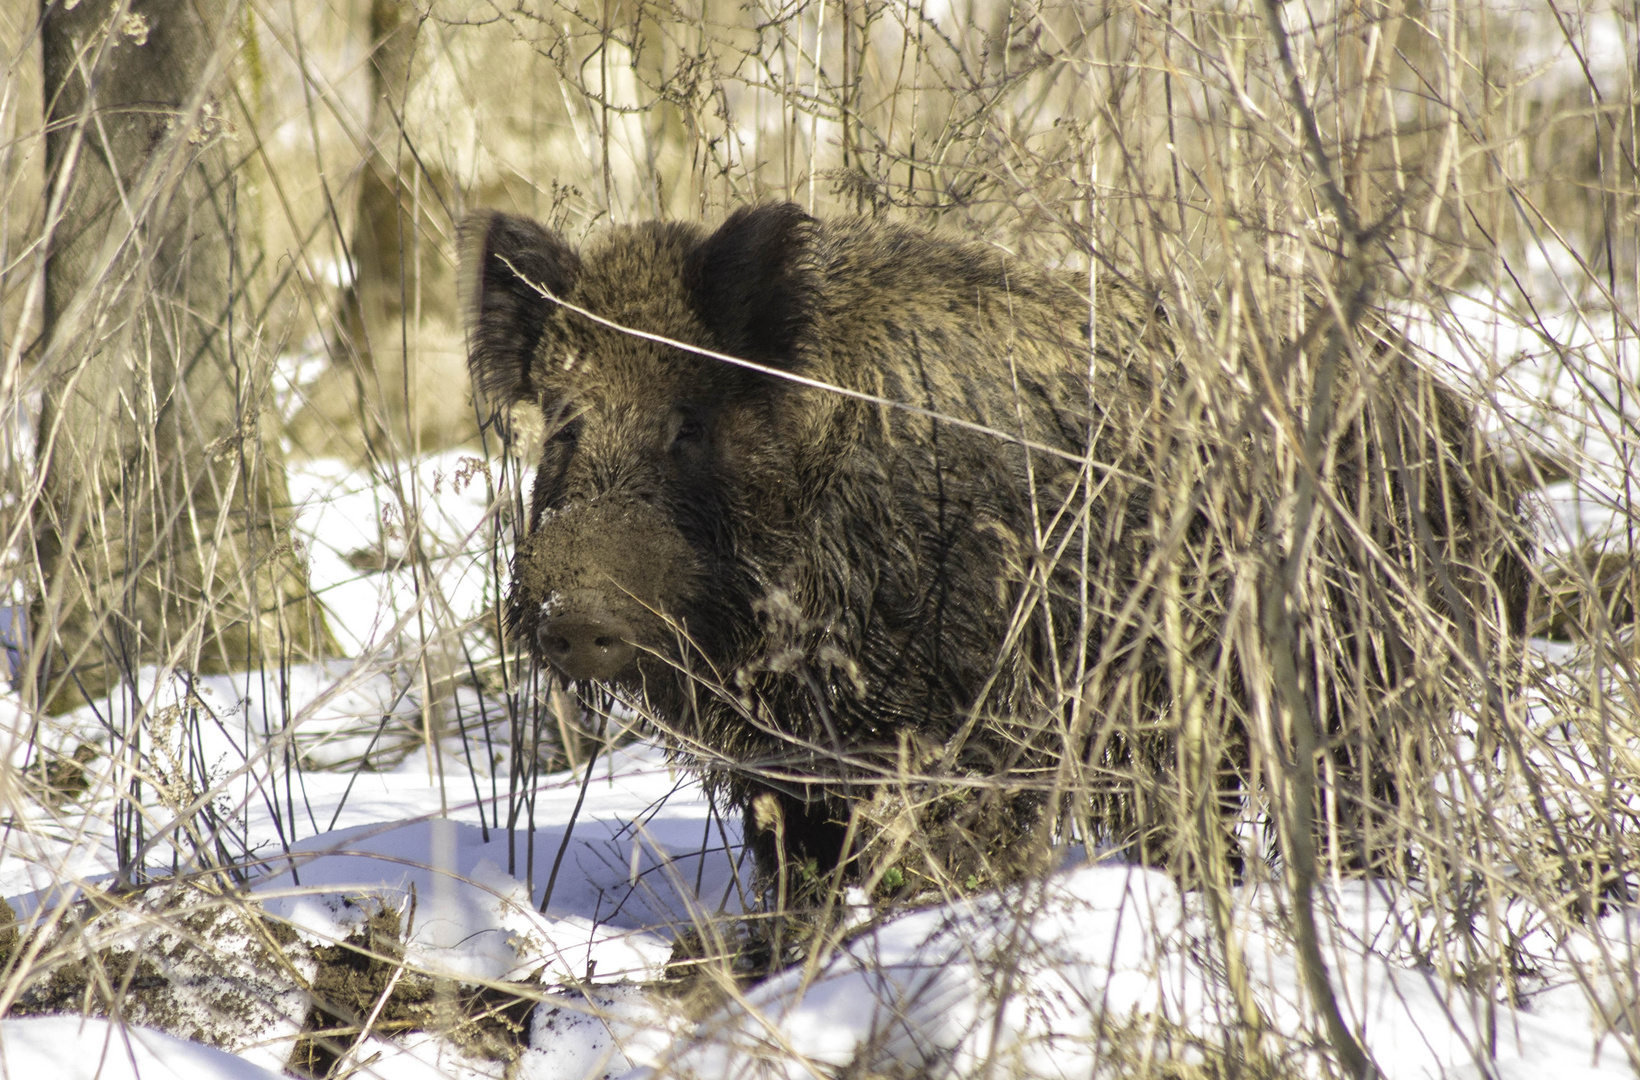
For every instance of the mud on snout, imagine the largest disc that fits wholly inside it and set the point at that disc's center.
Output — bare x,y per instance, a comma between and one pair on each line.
598,584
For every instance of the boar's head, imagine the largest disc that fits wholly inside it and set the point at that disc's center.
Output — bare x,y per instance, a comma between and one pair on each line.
659,461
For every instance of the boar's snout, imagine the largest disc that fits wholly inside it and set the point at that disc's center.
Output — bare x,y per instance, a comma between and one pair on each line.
593,645
597,583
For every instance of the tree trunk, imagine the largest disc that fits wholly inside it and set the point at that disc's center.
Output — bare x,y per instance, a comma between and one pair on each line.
397,384
163,526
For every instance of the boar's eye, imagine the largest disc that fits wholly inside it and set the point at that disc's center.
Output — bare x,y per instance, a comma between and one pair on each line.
690,430
566,434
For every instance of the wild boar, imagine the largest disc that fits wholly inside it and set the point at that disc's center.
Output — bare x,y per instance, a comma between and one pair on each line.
881,526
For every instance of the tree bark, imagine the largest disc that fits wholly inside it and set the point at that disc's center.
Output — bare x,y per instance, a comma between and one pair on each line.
163,524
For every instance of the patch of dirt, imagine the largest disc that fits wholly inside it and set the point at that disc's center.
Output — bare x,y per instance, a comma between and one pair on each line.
219,971
9,937
735,953
203,967
363,983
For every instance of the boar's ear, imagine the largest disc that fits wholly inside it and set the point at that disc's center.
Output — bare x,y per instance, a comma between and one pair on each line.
754,283
506,263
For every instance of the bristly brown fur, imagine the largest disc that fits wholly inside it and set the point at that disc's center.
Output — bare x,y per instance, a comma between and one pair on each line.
889,639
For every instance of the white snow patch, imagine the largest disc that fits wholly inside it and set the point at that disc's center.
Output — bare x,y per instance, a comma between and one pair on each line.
87,1048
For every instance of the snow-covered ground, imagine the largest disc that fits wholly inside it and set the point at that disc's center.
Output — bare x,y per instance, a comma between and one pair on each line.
1036,981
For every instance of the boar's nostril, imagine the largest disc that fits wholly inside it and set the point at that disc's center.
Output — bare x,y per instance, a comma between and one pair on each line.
586,646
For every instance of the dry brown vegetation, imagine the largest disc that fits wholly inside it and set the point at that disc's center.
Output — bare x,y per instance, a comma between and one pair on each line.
1281,174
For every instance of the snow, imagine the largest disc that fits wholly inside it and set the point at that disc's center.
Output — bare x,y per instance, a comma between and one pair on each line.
1561,383
348,515
628,876
87,1048
1024,980
1091,950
